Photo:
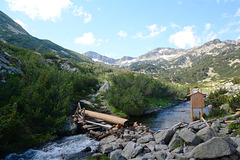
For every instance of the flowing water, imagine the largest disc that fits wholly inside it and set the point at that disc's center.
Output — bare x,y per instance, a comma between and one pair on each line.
65,148
69,148
168,117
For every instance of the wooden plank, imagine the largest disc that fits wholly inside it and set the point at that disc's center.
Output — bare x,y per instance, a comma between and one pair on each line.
237,113
238,109
229,121
205,121
94,133
93,128
89,126
107,126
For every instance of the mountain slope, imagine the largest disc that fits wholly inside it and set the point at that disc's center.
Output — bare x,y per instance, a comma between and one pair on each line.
98,57
211,61
14,34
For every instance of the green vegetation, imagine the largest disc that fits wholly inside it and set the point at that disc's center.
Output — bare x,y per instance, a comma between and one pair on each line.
182,143
100,157
135,94
236,127
35,108
234,102
236,80
216,113
217,98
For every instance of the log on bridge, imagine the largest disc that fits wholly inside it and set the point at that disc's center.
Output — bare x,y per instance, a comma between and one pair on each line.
81,115
106,117
91,120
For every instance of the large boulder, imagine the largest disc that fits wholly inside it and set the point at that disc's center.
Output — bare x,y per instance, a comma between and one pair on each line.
104,87
88,103
9,65
214,148
165,136
206,133
69,128
107,148
131,150
175,141
117,155
189,137
224,106
108,139
145,139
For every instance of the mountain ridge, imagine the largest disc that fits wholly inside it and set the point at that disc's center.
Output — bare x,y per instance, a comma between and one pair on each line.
11,32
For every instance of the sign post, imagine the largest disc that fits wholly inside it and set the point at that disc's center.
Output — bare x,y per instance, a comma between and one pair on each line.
197,102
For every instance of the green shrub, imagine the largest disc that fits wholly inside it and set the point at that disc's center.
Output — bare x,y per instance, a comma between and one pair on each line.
133,94
236,80
215,112
100,157
234,102
34,108
217,98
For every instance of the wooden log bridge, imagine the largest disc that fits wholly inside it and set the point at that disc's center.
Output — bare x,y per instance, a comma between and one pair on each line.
81,114
91,120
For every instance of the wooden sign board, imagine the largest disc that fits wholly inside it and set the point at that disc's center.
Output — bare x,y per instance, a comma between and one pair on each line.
197,102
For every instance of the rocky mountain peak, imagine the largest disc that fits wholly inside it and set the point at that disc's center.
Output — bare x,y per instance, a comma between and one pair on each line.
98,57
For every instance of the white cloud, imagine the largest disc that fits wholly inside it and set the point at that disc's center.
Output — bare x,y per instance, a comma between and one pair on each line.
122,34
101,41
40,9
87,17
154,31
210,36
173,25
184,38
86,39
223,31
237,13
207,26
20,23
80,12
138,35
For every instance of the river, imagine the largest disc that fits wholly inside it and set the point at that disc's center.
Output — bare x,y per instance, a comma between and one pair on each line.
69,147
167,117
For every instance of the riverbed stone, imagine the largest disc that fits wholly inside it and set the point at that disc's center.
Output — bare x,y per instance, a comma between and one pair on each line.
145,139
132,150
180,157
178,150
161,155
214,148
236,140
224,131
206,133
215,126
160,147
108,139
127,136
164,135
117,155
107,148
189,137
175,141
149,156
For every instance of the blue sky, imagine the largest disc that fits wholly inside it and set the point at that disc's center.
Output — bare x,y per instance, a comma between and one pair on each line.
118,28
